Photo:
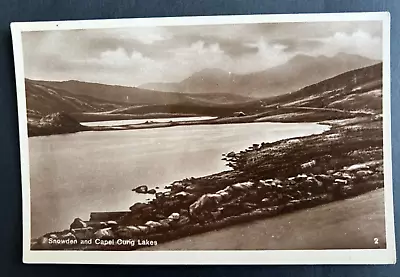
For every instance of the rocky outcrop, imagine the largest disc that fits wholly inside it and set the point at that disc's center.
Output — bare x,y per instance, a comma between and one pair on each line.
56,123
141,189
78,223
144,189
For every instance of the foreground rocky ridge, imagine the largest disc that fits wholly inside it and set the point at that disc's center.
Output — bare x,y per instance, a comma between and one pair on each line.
266,180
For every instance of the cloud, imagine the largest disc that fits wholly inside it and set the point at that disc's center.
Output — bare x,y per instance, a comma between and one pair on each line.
358,42
133,56
298,45
120,58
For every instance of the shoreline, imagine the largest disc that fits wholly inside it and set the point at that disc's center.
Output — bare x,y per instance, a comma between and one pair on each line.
301,176
283,115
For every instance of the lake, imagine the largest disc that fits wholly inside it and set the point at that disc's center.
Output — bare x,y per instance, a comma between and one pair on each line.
110,123
75,174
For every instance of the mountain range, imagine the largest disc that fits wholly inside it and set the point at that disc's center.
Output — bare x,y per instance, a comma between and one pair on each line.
45,97
358,91
92,101
298,72
53,110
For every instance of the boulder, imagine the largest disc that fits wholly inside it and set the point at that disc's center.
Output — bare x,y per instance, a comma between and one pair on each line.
301,177
266,201
105,233
177,187
243,186
143,229
153,224
356,167
165,223
152,191
137,206
111,223
182,194
83,233
96,225
363,173
183,220
324,178
224,194
308,164
341,182
78,223
141,189
206,202
127,232
174,216
132,231
68,236
226,190
340,174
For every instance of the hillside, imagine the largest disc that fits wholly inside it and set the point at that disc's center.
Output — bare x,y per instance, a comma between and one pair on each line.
43,99
356,90
90,102
135,96
300,71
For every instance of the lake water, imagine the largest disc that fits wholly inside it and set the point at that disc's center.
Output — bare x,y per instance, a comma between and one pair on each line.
75,174
110,123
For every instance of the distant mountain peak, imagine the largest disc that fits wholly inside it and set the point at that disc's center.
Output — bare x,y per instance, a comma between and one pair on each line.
213,72
300,71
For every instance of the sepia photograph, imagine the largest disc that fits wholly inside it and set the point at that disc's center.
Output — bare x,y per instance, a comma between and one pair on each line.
151,140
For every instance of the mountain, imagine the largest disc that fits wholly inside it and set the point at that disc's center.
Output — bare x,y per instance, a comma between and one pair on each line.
300,71
43,99
134,95
357,91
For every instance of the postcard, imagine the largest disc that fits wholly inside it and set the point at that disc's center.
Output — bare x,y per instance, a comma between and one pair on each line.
251,139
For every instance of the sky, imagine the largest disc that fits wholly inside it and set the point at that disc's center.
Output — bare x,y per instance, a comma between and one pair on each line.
138,55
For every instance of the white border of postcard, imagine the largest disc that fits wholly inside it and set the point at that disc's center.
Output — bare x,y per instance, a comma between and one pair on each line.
371,256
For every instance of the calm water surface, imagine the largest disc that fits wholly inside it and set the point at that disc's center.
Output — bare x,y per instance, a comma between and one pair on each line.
75,174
